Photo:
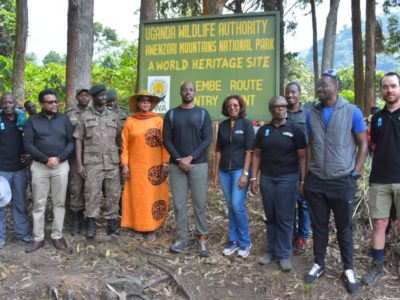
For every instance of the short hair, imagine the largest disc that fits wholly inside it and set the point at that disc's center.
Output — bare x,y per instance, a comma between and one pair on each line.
374,110
8,94
274,99
242,104
294,83
46,92
28,102
187,82
390,74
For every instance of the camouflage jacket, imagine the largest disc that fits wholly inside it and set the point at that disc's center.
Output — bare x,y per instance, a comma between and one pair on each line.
100,134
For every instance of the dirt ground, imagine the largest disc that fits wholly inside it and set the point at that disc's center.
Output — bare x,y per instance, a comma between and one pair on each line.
118,268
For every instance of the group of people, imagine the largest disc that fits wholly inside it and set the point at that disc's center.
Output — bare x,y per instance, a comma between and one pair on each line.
309,156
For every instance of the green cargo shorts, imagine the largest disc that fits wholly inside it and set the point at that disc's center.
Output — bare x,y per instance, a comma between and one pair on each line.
381,197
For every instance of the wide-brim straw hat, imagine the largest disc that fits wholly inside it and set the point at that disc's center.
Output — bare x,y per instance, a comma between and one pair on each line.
5,192
143,93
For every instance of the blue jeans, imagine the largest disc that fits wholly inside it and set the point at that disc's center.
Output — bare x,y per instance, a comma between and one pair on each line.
17,181
278,196
235,199
302,226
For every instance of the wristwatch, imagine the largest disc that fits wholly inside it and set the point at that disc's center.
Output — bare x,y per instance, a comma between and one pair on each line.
355,175
245,173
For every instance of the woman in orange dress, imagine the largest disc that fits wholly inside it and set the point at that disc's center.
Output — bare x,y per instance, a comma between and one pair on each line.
144,163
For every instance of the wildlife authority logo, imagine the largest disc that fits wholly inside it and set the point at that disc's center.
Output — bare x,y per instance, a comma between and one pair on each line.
159,88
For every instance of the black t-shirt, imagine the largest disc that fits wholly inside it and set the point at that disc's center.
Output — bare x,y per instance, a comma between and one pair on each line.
233,142
385,134
11,146
279,147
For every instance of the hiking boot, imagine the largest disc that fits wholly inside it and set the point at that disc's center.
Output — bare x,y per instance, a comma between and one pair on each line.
230,248
244,251
350,281
300,246
112,227
202,246
285,265
76,222
91,228
315,272
375,272
266,258
179,246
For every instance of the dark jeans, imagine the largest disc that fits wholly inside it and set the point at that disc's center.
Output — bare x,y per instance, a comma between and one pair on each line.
278,196
301,226
22,225
336,195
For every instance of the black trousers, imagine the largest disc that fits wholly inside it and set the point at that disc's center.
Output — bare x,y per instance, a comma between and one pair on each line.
336,195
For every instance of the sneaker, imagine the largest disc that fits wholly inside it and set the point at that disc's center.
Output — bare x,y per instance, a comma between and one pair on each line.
244,251
266,258
179,246
151,236
350,281
230,248
27,239
300,246
315,272
285,265
202,247
375,272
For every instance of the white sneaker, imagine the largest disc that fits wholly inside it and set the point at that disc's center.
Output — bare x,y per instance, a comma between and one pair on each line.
244,251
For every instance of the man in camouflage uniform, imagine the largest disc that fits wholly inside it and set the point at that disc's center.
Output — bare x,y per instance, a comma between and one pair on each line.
97,138
75,181
112,103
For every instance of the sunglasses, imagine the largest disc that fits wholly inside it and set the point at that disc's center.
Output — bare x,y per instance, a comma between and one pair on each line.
51,102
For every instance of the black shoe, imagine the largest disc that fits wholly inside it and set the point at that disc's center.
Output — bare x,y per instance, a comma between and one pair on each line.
315,272
375,272
350,281
112,227
91,228
76,222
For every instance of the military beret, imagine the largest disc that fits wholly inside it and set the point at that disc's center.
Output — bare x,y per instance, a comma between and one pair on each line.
80,90
111,94
97,88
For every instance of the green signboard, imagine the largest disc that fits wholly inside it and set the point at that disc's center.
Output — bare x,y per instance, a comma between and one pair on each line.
221,55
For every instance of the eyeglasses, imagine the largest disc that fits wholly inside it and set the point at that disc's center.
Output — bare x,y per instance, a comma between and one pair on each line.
232,105
277,107
51,102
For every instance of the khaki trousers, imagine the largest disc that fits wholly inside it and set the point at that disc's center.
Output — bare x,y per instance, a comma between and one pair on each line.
44,181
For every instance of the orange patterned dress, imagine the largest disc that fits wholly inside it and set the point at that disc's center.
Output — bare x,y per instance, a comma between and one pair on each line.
145,197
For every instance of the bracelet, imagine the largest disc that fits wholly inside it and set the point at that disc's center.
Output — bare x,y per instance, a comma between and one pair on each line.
165,165
301,182
253,179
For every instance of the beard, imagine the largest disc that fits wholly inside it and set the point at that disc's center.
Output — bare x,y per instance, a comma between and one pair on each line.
186,100
48,112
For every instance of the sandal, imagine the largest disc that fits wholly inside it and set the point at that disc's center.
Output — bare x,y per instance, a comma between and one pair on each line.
138,237
151,236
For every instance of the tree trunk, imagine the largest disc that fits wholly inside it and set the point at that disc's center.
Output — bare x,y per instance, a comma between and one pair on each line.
357,54
269,5
79,47
315,44
328,51
370,56
279,7
238,7
148,11
18,86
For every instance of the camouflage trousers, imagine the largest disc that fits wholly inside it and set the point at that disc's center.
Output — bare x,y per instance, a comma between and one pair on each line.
75,189
93,192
